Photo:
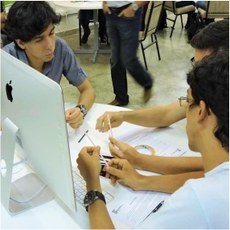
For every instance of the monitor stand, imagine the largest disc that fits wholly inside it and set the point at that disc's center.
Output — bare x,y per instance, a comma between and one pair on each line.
26,192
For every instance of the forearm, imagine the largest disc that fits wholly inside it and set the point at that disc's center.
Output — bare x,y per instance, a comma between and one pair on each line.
158,116
167,183
98,213
99,216
87,97
168,165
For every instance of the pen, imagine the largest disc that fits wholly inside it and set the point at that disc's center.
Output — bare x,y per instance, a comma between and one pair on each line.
110,127
155,209
83,136
94,145
89,139
158,206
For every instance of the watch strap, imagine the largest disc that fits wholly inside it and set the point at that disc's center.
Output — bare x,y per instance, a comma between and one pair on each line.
83,109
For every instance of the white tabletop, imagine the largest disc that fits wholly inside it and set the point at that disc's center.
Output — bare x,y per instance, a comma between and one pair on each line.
53,215
80,5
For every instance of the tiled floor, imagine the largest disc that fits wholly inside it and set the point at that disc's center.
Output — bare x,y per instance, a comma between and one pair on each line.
169,73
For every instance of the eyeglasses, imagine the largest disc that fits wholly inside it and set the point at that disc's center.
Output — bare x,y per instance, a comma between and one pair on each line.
184,101
192,61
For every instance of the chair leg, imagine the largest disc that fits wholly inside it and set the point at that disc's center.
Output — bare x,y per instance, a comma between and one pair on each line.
173,27
181,19
158,50
79,33
143,53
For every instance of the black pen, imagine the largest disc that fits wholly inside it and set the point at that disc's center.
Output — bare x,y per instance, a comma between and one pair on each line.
158,206
155,209
83,136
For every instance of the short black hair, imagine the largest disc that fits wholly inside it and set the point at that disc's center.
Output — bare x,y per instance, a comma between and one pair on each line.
209,81
26,19
214,36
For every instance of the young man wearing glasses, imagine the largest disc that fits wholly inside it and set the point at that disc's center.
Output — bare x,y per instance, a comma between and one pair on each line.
176,170
200,203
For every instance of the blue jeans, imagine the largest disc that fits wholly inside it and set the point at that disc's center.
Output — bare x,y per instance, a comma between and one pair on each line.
123,33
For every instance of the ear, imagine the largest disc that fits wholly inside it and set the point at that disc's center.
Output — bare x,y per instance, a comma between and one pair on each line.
203,112
20,43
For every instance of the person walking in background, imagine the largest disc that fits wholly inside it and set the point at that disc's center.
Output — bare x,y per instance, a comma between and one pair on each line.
123,20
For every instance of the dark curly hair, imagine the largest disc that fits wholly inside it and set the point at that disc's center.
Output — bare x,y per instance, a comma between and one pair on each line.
209,81
26,19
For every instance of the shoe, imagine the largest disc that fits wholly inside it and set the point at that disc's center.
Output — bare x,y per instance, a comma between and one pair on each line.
147,95
103,40
116,103
85,36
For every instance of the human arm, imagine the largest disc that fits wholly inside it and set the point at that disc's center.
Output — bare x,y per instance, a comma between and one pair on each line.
129,11
74,116
89,166
120,170
158,164
105,8
158,116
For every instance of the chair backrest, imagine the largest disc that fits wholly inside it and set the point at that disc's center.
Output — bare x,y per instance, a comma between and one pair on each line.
170,6
215,9
152,17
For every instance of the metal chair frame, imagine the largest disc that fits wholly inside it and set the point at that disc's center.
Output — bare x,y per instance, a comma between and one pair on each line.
152,22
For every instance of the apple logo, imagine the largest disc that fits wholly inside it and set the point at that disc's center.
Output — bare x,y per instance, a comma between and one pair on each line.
9,89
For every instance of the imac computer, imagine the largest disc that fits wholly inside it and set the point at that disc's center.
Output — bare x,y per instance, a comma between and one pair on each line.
33,116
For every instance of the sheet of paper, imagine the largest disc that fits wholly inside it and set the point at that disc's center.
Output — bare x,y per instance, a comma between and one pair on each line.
131,207
152,137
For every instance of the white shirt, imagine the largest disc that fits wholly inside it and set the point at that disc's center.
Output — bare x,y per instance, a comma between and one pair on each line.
118,4
200,203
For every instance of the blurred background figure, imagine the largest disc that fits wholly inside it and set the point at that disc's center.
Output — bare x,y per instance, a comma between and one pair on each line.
85,16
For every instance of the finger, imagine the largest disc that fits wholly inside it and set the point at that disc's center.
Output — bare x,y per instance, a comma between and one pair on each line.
96,150
113,171
101,125
115,152
113,180
116,142
121,14
117,161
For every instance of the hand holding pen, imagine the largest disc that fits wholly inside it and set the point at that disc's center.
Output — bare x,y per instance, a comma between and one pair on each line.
91,141
88,164
115,120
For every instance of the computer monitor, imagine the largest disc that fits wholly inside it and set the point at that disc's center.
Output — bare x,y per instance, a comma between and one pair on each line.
33,115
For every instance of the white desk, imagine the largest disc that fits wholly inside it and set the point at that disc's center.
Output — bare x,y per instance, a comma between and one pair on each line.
53,215
86,5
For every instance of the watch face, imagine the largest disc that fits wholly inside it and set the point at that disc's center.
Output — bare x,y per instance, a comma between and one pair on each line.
90,197
135,6
83,109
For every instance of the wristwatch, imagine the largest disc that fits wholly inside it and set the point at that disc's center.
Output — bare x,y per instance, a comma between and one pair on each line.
83,109
91,196
134,6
